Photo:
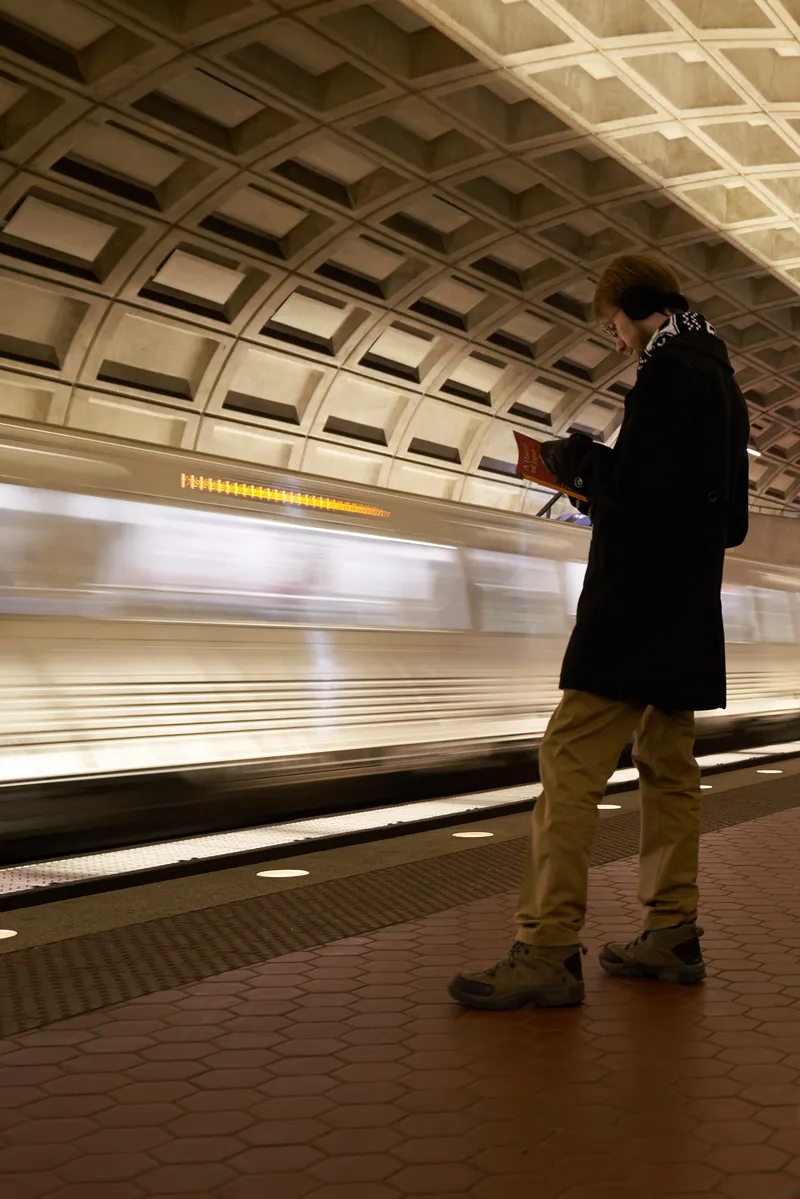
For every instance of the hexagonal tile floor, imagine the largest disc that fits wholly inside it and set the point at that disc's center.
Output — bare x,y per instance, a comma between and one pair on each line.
345,1072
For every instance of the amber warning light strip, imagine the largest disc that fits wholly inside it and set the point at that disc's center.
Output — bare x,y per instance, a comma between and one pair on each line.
275,495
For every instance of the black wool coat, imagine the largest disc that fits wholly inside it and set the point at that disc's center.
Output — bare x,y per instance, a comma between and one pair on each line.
666,501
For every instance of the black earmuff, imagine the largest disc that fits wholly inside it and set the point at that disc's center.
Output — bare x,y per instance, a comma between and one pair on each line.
640,301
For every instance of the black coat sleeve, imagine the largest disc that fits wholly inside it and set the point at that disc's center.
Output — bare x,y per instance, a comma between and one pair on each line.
653,463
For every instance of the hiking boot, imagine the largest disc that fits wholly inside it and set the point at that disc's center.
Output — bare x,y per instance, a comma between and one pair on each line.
671,955
529,976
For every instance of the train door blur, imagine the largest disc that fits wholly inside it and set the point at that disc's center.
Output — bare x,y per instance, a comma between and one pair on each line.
52,550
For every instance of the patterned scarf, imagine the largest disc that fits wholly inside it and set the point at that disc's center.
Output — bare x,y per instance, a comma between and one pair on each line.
678,323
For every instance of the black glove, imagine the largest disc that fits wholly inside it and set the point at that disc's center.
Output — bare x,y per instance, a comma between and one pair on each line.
552,454
561,457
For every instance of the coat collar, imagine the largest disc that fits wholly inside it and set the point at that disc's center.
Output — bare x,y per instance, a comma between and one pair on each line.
675,325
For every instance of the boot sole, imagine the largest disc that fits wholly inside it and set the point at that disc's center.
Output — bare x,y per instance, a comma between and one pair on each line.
570,995
682,975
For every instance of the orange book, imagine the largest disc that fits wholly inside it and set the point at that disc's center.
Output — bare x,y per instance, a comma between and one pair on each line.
531,467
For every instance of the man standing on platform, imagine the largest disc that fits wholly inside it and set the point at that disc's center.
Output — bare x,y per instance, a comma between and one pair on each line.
647,650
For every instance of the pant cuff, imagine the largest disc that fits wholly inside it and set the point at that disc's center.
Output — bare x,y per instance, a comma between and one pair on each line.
548,938
658,923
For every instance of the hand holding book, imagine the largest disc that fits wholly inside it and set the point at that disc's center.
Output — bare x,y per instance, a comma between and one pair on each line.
531,466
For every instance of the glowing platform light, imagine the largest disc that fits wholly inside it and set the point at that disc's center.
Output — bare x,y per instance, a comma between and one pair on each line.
475,834
15,880
5,933
281,873
277,495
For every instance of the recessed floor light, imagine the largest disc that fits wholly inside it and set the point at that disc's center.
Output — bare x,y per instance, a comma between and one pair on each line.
266,839
769,772
475,834
5,933
281,873
706,787
609,806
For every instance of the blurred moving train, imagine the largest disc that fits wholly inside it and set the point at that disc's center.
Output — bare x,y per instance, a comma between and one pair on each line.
190,643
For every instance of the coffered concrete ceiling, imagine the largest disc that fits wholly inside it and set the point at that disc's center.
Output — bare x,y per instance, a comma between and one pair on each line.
360,240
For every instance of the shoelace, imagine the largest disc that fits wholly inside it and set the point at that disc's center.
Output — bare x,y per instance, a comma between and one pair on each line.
509,960
637,941
517,950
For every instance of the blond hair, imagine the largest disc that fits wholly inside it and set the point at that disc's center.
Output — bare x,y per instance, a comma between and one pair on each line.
627,271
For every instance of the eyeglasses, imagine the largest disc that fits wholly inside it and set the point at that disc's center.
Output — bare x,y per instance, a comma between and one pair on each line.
610,328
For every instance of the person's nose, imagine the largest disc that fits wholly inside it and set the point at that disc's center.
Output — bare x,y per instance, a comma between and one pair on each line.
620,345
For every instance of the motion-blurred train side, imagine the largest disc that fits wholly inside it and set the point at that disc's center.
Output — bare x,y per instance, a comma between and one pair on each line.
166,614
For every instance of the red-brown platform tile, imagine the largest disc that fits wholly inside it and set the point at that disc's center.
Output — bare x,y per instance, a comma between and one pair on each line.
757,1186
284,1186
346,1073
97,1190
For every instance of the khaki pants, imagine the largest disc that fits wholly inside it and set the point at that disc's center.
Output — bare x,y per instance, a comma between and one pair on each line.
578,754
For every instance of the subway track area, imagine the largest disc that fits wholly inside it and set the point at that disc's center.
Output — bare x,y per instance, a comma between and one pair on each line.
239,1035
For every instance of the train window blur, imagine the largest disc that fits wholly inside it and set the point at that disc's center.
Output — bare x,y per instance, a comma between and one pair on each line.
398,583
738,614
572,574
123,559
49,551
515,594
774,609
